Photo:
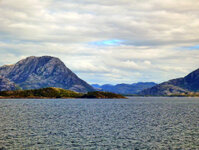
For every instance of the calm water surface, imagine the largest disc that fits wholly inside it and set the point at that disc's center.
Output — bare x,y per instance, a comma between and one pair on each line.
134,123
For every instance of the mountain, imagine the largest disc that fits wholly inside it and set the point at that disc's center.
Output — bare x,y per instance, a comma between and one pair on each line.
163,89
96,86
40,72
124,88
7,85
189,83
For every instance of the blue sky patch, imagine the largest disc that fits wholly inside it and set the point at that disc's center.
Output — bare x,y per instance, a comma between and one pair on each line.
114,42
192,47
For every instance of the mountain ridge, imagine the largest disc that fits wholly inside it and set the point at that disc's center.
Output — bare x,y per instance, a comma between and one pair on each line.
124,88
189,83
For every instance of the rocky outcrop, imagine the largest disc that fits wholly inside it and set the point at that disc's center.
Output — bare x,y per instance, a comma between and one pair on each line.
40,72
7,85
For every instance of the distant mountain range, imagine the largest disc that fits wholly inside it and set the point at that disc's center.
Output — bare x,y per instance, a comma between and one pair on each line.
124,88
189,83
40,72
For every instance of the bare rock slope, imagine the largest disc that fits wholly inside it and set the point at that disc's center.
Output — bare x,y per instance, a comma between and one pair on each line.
40,72
7,85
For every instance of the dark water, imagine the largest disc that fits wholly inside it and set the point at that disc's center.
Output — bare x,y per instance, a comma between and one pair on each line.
135,123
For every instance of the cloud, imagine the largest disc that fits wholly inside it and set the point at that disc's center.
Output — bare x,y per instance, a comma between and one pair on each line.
105,41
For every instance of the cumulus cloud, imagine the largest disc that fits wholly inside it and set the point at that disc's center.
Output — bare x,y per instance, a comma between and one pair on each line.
105,41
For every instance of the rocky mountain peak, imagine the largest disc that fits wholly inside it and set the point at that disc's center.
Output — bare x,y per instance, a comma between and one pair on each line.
46,71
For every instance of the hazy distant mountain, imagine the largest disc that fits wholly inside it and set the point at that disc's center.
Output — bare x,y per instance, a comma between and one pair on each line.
189,83
124,88
40,72
96,86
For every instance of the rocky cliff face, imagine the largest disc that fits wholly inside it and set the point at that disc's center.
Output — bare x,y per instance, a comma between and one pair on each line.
7,85
189,83
40,72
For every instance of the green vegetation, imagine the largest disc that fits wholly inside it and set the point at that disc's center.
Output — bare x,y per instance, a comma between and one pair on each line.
187,94
50,92
99,94
53,92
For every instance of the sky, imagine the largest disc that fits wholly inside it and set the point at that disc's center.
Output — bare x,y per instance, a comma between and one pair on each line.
106,41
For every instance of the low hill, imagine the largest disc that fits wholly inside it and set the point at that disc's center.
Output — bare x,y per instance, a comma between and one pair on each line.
99,94
52,92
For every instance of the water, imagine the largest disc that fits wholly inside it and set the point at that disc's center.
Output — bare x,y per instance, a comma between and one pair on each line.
134,123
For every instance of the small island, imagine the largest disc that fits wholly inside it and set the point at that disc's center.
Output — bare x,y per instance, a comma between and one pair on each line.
52,92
